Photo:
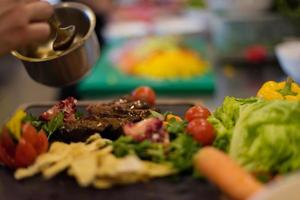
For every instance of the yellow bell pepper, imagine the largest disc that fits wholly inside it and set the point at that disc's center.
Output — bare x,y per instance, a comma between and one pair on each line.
170,116
272,90
15,123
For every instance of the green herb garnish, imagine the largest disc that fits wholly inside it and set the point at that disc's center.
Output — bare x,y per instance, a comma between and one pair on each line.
174,126
78,115
145,150
156,115
181,152
35,121
54,124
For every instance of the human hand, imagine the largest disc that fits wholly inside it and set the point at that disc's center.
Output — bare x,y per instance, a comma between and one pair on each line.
23,22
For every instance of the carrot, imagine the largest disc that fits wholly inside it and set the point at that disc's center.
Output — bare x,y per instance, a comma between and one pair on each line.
221,170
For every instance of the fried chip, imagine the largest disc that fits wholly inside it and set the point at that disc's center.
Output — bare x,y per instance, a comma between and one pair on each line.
93,163
84,169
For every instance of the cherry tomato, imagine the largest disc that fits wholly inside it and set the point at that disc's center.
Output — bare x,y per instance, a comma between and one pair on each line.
29,133
144,93
202,131
42,144
197,112
25,154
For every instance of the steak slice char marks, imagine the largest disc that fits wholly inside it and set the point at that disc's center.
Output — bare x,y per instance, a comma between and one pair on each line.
107,119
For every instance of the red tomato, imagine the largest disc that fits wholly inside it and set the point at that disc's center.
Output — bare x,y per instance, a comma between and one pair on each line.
25,154
6,159
144,93
29,133
202,131
256,53
7,142
197,112
42,144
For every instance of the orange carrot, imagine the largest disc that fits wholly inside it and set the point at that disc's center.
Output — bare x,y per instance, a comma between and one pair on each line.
221,170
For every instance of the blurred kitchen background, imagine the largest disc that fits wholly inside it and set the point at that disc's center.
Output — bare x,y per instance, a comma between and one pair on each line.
190,50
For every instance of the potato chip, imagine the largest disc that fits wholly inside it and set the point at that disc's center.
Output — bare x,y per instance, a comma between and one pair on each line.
84,169
93,163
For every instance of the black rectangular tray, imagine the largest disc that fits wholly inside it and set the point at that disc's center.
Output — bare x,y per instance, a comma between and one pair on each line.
63,187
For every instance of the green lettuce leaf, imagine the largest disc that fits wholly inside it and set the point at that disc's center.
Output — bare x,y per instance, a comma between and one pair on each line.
225,118
262,136
266,137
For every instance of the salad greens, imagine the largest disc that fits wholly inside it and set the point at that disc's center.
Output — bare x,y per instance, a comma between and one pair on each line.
179,152
54,124
146,150
175,126
49,127
35,121
262,136
225,118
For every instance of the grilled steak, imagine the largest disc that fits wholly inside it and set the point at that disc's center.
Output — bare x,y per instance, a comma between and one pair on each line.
106,119
122,108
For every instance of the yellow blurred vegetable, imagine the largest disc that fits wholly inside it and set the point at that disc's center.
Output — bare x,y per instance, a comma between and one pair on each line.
171,64
272,90
169,117
14,124
176,117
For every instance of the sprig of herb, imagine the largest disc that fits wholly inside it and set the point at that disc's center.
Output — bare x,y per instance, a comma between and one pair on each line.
35,121
181,152
54,124
145,150
174,126
78,115
157,115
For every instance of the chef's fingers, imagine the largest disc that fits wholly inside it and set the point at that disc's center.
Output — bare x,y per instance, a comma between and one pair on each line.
22,37
30,1
8,3
36,32
7,6
39,11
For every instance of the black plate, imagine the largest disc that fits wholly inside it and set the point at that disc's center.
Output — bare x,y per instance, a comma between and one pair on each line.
63,187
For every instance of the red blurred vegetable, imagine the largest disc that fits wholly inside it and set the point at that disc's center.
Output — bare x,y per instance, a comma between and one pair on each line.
7,142
29,133
144,93
22,152
148,129
25,154
202,131
41,145
197,112
67,107
256,54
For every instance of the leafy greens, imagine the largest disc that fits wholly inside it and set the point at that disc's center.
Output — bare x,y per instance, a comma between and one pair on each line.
179,152
262,136
49,127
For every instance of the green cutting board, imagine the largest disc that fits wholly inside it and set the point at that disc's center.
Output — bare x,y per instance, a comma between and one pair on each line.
105,79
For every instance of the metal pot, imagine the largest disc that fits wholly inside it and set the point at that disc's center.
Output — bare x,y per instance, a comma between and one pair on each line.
64,68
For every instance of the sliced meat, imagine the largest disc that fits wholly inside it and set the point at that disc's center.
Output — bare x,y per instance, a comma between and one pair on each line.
106,119
120,108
